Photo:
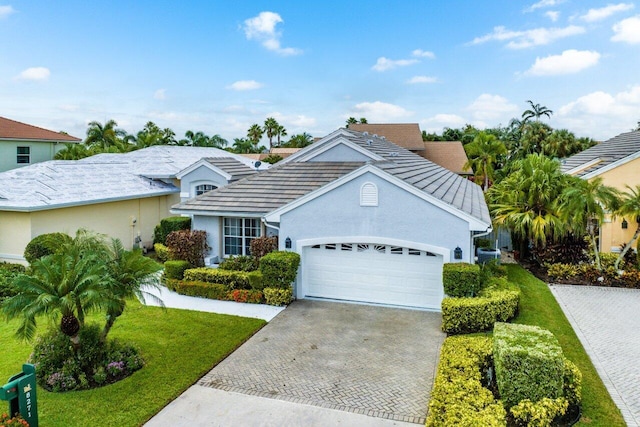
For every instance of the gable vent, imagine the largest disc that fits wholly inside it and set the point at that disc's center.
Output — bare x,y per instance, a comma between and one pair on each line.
368,194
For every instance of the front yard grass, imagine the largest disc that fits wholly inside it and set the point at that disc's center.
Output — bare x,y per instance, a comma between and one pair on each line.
179,346
539,307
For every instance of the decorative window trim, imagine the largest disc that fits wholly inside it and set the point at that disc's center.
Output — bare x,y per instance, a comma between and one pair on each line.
203,188
23,155
368,194
239,243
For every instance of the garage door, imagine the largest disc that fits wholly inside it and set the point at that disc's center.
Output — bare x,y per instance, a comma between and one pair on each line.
373,273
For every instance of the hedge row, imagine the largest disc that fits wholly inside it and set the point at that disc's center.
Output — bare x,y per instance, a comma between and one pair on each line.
497,303
168,225
271,296
45,244
461,279
230,278
279,269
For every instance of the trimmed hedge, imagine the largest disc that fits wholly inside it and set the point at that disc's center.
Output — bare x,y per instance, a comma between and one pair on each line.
176,269
240,263
461,279
279,269
168,225
278,296
45,244
499,302
529,363
539,414
162,252
458,397
8,273
229,278
201,289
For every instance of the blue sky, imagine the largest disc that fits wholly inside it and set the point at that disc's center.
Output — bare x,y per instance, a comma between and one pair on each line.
220,66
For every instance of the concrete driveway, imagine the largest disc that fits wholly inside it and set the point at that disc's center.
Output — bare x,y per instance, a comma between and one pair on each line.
322,363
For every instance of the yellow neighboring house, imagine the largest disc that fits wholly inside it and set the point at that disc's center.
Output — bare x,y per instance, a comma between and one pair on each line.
121,195
617,162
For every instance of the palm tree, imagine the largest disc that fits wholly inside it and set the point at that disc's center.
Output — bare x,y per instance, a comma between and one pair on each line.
104,136
280,132
299,141
483,154
560,144
351,121
584,205
195,139
255,133
363,120
72,152
217,141
246,146
271,129
630,205
130,271
536,111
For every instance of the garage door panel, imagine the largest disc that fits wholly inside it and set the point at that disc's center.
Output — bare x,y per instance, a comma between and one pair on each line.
373,273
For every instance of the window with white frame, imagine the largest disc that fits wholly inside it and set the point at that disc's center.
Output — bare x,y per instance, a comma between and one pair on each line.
203,188
368,194
238,234
23,155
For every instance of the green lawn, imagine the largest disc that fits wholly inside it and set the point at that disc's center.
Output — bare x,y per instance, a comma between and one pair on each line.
539,307
179,347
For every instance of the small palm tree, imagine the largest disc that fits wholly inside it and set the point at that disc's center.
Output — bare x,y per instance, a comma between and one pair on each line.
536,111
72,152
255,133
104,136
483,154
630,206
271,129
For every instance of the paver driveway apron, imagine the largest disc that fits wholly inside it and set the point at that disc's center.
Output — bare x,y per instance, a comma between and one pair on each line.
371,360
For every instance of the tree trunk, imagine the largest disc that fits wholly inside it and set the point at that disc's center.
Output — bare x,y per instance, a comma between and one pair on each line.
596,255
107,327
627,247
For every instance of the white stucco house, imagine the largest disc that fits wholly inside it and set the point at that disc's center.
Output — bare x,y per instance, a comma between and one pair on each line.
373,222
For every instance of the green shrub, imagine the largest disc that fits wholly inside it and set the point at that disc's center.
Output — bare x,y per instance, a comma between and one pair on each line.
260,246
562,271
168,225
176,269
188,245
529,363
202,289
467,315
458,397
278,296
12,267
45,244
279,269
231,279
162,252
572,383
461,279
8,272
246,295
539,414
240,263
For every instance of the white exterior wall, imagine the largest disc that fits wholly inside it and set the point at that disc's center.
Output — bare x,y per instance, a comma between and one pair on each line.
198,176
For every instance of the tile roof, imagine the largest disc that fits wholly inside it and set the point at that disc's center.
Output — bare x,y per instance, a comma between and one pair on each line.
448,154
100,178
11,129
593,159
406,135
233,167
271,189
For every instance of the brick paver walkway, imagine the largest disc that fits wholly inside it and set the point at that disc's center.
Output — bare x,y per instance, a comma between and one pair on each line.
369,360
607,321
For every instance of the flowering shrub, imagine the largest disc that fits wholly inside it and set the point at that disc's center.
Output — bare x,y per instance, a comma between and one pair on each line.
8,421
245,295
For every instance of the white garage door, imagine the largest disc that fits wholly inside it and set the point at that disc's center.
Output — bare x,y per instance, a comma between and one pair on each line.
373,273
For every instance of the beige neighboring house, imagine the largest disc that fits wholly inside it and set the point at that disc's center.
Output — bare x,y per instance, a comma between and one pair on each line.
406,135
284,152
449,155
617,162
22,144
121,195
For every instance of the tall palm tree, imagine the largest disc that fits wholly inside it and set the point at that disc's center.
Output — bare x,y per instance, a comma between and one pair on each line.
536,111
280,132
483,154
630,206
103,136
255,133
271,129
584,204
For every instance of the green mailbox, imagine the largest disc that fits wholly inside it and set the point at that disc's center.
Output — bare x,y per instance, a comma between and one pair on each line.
20,392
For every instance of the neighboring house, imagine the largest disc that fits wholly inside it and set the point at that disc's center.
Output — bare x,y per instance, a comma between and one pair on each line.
372,221
617,162
22,144
284,152
120,195
449,155
406,135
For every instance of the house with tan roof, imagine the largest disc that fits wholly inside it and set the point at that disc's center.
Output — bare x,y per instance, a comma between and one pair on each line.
372,221
617,162
22,144
406,135
448,154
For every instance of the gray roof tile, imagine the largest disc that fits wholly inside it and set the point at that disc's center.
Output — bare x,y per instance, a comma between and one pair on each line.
603,154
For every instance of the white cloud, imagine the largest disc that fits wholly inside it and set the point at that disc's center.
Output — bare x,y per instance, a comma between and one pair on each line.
422,79
384,64
160,94
419,53
568,62
542,4
379,111
492,108
627,30
439,121
68,107
529,38
245,85
600,114
553,15
594,15
263,29
34,74
6,11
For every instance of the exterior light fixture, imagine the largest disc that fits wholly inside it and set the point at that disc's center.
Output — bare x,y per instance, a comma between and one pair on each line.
625,224
457,253
287,243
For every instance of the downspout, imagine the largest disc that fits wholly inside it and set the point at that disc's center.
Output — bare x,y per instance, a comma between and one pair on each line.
475,236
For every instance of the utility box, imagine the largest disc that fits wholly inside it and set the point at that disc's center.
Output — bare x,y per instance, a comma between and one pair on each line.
486,255
20,392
